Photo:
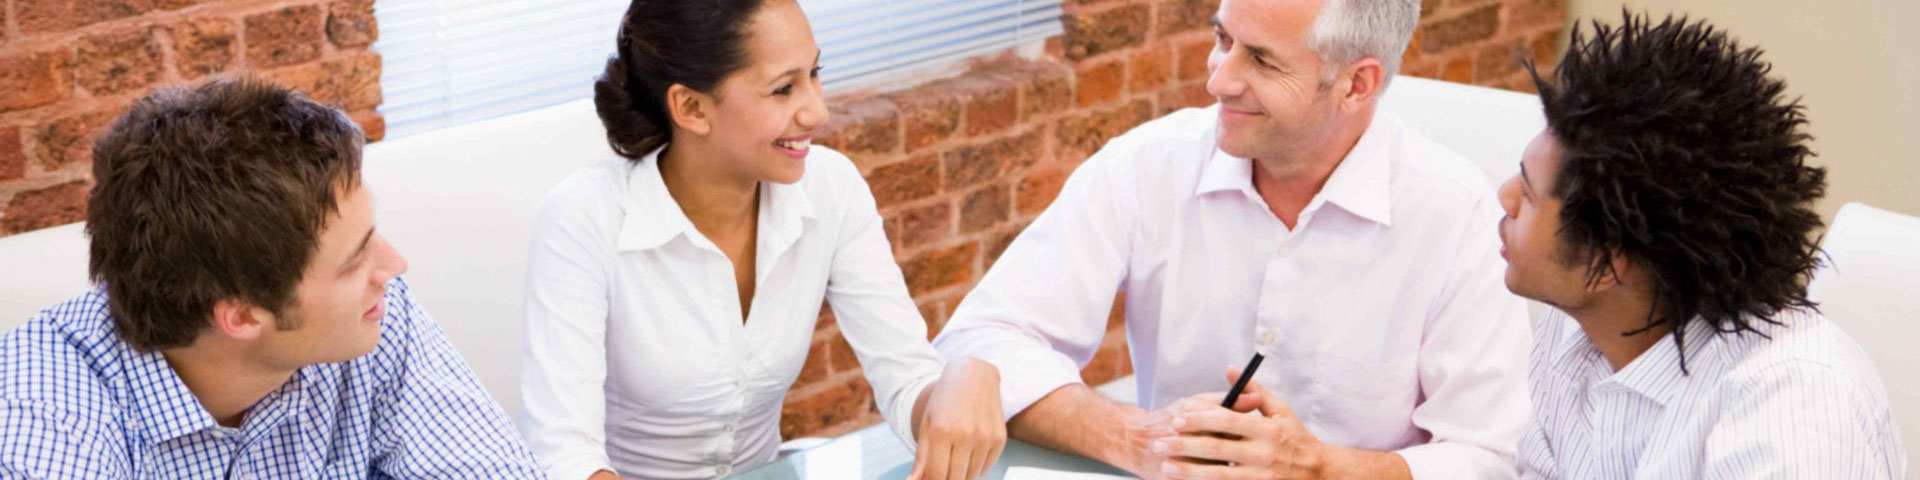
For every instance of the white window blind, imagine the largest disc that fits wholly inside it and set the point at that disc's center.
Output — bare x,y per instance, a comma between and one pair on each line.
449,62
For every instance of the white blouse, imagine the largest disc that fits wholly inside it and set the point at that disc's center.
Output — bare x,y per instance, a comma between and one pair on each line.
636,360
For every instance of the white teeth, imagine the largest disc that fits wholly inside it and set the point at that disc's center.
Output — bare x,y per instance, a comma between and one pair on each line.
794,145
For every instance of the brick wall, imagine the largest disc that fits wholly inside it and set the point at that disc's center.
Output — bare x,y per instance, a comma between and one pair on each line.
69,67
960,165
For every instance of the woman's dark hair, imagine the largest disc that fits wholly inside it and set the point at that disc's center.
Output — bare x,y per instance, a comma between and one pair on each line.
212,193
695,43
1679,152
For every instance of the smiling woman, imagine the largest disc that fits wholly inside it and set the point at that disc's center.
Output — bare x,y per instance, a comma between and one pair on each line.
719,211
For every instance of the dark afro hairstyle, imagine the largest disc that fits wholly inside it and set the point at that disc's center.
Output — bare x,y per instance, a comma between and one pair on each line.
1680,153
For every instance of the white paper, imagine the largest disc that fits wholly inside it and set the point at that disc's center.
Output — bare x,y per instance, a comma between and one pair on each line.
1032,473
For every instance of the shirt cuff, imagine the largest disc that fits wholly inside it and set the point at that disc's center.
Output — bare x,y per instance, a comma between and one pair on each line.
1026,374
901,420
577,468
1449,460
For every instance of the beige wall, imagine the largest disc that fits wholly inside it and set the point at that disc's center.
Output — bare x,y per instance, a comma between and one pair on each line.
1856,63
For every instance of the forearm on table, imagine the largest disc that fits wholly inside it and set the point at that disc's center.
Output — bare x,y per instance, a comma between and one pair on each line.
1077,420
1344,463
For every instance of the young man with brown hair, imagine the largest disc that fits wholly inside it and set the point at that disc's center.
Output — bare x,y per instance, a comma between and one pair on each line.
247,320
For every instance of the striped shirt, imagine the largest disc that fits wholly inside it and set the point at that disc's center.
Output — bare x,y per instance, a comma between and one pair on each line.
1806,403
78,402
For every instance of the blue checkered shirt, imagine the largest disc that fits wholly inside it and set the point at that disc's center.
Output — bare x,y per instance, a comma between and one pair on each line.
77,402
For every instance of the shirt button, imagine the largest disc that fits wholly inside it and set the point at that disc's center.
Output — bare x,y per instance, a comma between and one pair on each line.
1266,338
729,428
721,469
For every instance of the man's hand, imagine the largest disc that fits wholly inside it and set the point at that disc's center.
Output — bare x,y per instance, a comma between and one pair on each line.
1148,428
1221,443
960,428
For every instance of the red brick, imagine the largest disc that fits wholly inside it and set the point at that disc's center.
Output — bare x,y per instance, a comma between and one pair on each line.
818,365
864,126
844,360
1047,89
69,140
1428,6
117,62
1422,70
989,101
13,154
970,165
175,4
1520,83
34,79
1098,83
934,312
830,406
1536,13
285,37
911,179
42,16
57,205
1546,50
1475,25
350,23
930,115
825,321
1499,60
1082,135
372,124
1459,69
985,208
1093,33
204,46
938,269
923,225
1185,96
1038,190
998,243
1412,55
1180,16
351,82
1149,69
1190,59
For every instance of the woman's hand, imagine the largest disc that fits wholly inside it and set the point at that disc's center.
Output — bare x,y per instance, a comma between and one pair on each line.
959,424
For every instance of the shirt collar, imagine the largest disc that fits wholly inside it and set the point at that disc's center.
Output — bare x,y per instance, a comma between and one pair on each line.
1361,184
653,218
160,400
167,410
1656,373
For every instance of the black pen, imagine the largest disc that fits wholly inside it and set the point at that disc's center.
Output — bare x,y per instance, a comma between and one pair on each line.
1241,384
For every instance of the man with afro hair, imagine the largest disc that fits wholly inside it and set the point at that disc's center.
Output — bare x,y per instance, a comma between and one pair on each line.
1665,216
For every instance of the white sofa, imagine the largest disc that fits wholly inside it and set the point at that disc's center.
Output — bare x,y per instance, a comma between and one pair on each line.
457,203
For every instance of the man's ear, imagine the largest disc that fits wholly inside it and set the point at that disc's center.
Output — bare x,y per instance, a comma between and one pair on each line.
1364,80
241,320
1613,272
690,109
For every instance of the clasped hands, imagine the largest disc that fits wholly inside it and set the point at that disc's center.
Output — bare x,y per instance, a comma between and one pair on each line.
1195,438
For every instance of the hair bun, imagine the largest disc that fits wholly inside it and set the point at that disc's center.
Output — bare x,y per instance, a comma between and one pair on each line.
635,123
